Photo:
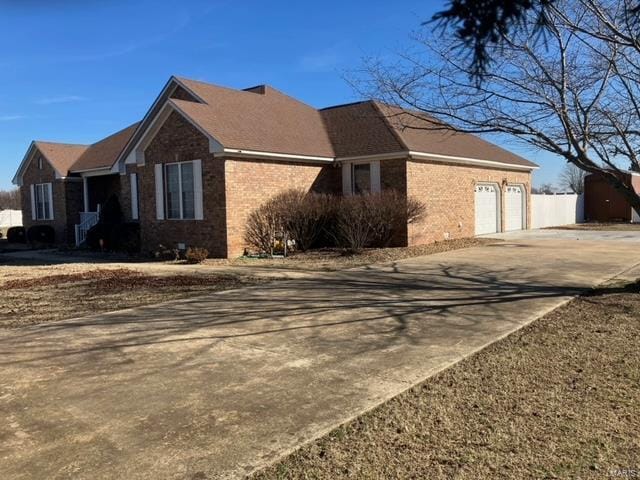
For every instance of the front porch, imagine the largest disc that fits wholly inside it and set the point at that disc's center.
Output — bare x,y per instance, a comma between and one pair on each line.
97,189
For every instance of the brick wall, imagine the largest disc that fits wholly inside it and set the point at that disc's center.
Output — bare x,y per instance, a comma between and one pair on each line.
125,192
448,192
393,176
67,195
177,141
74,204
249,183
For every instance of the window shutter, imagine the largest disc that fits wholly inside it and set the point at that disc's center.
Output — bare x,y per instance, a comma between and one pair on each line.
197,189
33,202
159,192
50,192
375,176
346,179
133,179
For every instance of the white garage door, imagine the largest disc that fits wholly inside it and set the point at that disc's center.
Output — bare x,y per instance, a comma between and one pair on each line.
486,209
514,205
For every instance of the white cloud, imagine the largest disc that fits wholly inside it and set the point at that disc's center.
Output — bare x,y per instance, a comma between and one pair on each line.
60,99
11,118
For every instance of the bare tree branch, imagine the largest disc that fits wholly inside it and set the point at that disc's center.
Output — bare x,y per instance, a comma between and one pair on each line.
576,96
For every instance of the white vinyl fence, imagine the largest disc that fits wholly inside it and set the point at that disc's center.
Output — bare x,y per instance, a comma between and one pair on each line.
556,209
10,218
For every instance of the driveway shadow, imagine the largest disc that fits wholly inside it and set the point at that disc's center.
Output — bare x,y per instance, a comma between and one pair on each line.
366,310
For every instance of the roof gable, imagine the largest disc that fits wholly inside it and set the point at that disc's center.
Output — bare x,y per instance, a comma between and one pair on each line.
174,88
60,156
258,119
66,158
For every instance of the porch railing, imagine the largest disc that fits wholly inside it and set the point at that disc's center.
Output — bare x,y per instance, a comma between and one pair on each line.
87,220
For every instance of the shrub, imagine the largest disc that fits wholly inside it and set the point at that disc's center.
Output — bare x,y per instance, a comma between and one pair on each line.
390,213
166,253
262,226
41,234
352,222
111,233
125,237
352,226
17,235
99,236
196,255
374,220
111,212
118,237
303,215
294,214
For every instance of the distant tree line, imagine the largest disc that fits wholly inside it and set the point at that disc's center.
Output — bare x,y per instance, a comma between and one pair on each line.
10,199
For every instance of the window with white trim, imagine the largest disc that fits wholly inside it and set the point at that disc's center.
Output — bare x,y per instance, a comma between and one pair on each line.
361,178
179,191
43,198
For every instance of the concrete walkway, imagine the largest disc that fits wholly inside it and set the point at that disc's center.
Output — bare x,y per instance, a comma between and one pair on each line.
216,387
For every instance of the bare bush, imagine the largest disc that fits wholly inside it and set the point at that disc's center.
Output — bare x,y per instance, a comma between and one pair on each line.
374,220
262,226
295,214
391,212
304,215
353,222
353,228
196,255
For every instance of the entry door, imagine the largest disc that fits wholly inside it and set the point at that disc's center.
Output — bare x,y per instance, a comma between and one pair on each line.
486,204
514,205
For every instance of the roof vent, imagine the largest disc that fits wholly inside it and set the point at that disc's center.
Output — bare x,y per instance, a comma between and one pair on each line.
261,89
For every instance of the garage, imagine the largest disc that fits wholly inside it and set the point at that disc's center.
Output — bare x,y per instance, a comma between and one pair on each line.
487,212
514,206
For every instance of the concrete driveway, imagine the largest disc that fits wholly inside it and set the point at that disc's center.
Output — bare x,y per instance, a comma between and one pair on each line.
216,387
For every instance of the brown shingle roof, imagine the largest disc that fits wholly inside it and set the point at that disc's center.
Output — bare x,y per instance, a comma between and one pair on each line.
260,119
418,134
359,129
61,156
264,119
104,153
68,157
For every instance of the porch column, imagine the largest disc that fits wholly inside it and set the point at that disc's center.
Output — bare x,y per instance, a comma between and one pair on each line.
85,193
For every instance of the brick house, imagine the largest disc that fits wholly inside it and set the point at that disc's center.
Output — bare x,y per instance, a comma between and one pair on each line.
204,157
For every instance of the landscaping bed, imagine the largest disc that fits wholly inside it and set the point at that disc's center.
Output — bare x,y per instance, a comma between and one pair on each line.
48,294
558,399
329,259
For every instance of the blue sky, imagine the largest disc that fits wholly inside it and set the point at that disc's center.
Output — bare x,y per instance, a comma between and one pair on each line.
77,70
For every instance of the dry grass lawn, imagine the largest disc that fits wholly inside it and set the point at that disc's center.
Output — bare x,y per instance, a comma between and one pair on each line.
34,293
615,227
330,259
31,295
557,399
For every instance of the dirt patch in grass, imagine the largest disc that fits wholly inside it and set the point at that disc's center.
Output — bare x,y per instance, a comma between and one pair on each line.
615,227
100,275
557,399
47,298
329,259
